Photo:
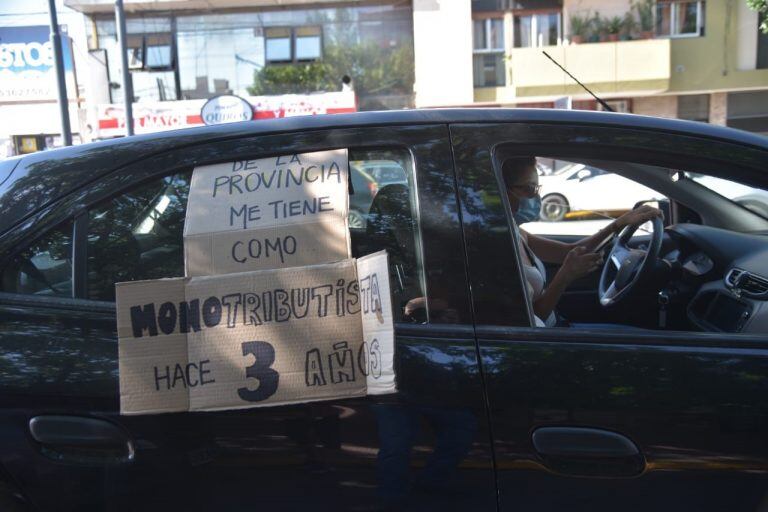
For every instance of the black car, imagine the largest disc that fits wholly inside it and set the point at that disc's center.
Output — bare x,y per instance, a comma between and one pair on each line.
669,413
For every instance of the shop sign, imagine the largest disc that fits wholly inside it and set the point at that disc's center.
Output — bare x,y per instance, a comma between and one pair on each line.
172,115
226,108
26,64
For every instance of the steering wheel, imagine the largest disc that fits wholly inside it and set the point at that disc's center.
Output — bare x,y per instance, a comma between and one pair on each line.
625,267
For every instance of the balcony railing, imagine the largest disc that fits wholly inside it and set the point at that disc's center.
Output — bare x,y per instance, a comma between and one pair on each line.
624,66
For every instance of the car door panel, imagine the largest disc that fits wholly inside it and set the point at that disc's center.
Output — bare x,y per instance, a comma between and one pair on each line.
689,409
692,404
426,447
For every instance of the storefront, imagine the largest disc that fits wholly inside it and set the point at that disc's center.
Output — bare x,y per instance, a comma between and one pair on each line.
189,55
29,113
152,117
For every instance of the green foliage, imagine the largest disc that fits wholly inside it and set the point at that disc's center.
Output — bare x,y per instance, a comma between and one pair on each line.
644,11
761,6
374,70
628,24
290,79
613,25
581,25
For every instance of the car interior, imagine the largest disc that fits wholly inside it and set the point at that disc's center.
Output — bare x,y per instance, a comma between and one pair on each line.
703,268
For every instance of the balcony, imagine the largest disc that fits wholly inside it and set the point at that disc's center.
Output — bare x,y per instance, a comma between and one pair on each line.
622,68
131,6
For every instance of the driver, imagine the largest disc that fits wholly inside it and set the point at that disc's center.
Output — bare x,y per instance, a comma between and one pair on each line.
577,259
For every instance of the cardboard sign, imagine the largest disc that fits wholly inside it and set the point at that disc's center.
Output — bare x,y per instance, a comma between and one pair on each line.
284,211
378,327
258,338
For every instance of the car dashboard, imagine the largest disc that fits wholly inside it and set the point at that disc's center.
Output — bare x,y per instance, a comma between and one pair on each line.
726,274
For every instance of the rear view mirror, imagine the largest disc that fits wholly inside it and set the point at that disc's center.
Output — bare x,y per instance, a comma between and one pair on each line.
584,174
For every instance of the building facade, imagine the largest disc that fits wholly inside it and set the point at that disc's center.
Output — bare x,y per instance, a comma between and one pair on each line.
703,60
182,52
29,112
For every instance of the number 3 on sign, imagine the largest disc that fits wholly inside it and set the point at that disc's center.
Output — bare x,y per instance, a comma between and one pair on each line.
261,370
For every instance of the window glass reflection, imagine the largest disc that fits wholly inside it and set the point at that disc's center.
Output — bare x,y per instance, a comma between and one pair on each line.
43,268
220,53
137,235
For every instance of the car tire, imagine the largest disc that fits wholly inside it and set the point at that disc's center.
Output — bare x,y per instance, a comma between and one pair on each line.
356,220
553,208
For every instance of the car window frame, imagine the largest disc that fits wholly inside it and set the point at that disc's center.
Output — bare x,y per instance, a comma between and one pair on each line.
525,138
419,140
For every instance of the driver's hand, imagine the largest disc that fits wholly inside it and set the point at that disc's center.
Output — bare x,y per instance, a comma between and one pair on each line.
638,216
579,263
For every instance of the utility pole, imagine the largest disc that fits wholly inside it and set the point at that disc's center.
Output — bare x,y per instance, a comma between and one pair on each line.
127,84
58,62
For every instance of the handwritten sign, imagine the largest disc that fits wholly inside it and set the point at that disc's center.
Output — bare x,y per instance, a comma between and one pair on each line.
259,338
377,320
283,211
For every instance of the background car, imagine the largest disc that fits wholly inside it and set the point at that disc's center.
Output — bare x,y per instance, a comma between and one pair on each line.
384,172
749,197
582,188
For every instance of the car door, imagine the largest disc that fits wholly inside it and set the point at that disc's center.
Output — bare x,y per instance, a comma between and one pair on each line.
67,448
608,419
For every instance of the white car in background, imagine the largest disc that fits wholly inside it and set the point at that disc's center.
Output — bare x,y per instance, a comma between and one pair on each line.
578,188
754,199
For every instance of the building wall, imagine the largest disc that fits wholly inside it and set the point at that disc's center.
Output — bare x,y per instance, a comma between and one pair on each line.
41,116
718,108
442,33
657,106
746,22
711,63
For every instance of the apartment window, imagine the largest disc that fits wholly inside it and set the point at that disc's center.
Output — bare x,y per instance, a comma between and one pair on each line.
680,18
488,52
748,111
693,107
534,30
762,45
286,44
151,52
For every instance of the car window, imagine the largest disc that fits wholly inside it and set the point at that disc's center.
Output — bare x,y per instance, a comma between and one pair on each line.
752,198
390,222
579,199
43,268
139,234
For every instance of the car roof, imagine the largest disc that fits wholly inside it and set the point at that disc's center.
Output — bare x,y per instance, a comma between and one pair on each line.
33,181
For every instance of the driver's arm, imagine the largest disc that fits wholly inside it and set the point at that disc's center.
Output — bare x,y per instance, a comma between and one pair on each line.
576,264
553,251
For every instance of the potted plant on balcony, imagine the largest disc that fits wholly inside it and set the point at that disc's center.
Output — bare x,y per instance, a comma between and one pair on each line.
613,28
600,27
580,27
644,11
628,27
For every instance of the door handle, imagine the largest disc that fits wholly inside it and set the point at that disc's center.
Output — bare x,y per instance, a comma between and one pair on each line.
81,440
579,451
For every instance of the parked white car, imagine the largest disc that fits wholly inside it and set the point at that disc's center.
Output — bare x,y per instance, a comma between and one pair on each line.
582,188
753,198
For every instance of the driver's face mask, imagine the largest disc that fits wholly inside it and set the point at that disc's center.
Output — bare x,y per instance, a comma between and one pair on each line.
528,209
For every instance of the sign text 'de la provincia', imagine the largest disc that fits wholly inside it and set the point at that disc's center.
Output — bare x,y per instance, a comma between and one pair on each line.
282,211
258,338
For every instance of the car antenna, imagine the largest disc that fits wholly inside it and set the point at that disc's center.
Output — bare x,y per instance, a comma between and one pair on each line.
601,102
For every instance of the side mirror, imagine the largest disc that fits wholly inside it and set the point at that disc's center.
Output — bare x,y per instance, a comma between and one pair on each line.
662,204
583,174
